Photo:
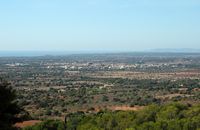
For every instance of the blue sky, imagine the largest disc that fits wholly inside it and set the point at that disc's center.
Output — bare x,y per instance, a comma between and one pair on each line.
99,25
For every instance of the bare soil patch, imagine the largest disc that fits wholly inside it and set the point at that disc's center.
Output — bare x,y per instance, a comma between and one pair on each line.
126,108
27,123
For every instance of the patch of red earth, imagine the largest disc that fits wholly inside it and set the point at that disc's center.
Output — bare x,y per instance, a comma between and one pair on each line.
27,123
196,89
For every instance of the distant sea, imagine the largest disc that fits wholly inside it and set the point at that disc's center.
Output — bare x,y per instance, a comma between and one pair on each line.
65,53
31,53
46,53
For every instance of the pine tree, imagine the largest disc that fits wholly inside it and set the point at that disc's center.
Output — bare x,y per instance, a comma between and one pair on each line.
8,106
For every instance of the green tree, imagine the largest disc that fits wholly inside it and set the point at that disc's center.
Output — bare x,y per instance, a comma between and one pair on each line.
8,107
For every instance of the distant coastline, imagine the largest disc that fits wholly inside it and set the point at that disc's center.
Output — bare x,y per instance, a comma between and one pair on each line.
66,53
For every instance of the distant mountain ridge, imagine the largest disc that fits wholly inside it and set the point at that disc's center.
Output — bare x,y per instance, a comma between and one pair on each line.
178,50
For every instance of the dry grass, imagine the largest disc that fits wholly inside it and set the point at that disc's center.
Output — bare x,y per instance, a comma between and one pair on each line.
126,108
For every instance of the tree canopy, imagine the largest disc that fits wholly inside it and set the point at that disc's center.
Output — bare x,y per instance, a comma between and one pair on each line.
172,116
8,106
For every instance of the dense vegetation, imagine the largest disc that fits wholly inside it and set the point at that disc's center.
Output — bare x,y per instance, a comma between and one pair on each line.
8,107
172,116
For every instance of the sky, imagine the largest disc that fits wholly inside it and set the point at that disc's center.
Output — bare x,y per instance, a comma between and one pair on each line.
98,25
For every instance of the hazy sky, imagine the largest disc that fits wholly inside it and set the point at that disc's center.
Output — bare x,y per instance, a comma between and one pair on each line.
80,25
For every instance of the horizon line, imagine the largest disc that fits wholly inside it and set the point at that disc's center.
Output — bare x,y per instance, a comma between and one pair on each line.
36,53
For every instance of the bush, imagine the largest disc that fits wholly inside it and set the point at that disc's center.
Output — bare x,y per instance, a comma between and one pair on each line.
173,116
